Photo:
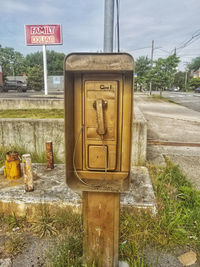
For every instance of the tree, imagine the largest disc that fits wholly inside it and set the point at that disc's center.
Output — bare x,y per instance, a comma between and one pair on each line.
54,61
195,64
12,62
179,80
142,66
35,77
195,82
163,72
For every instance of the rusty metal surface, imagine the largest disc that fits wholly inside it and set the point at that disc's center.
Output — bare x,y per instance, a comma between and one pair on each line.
170,143
12,170
49,155
99,62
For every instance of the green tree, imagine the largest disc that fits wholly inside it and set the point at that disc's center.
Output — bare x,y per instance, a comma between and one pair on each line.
195,64
12,62
35,77
179,80
195,82
142,67
163,72
54,61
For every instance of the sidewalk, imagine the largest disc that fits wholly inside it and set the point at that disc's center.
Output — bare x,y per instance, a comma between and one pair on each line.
173,123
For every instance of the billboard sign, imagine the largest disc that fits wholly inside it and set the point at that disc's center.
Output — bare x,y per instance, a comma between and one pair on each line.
43,34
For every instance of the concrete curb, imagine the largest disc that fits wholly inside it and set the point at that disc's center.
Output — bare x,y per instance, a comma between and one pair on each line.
52,191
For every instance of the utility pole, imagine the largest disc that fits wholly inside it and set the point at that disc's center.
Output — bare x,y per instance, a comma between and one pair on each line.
45,69
108,26
186,80
152,50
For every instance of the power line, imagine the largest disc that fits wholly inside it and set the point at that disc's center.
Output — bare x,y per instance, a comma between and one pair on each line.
191,40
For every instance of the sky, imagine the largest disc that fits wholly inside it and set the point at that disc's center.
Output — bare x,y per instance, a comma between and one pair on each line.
170,23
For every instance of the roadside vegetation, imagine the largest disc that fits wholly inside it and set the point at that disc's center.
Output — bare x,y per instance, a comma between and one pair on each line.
33,113
175,225
162,98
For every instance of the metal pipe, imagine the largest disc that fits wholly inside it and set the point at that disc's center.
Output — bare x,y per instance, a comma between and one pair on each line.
28,172
108,26
12,168
49,155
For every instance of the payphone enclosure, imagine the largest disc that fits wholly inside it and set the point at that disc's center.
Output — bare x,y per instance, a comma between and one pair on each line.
98,121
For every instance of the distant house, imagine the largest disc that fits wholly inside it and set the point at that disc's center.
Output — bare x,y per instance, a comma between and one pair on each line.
195,74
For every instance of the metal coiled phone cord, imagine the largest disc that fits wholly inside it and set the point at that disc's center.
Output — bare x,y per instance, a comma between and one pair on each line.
74,154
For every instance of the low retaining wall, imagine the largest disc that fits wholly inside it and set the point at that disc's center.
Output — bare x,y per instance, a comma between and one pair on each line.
33,133
27,103
139,138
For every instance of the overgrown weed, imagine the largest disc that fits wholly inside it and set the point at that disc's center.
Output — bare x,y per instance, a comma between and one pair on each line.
66,253
12,221
68,221
14,244
44,225
162,98
176,224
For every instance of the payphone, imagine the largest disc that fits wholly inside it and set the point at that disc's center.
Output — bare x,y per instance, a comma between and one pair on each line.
98,120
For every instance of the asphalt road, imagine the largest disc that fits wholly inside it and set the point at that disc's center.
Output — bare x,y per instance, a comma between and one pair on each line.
170,122
189,100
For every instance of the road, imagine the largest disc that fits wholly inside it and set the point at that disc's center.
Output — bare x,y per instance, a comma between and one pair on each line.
168,122
189,100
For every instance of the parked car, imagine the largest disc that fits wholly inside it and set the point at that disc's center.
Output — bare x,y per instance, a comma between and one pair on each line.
197,90
19,86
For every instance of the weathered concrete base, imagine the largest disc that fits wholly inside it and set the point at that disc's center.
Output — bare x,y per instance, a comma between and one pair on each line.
51,190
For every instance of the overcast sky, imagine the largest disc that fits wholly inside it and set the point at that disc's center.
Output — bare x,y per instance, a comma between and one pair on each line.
170,23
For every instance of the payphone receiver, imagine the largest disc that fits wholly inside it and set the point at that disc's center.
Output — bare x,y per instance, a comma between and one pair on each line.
99,105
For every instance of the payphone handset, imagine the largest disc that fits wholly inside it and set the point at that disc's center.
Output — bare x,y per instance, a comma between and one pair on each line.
99,105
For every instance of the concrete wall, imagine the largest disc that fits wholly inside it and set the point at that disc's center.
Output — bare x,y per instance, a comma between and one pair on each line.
139,138
26,103
33,133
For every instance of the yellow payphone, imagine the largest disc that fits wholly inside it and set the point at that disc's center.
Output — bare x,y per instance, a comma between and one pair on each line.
98,120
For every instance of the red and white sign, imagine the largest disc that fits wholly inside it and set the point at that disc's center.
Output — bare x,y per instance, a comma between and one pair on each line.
43,34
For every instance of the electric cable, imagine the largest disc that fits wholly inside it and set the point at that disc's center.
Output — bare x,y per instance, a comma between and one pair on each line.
74,165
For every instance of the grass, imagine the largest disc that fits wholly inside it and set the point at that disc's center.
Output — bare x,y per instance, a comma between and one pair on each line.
177,223
14,244
162,98
33,113
45,224
13,221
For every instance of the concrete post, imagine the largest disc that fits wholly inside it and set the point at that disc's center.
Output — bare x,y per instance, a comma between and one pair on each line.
28,172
